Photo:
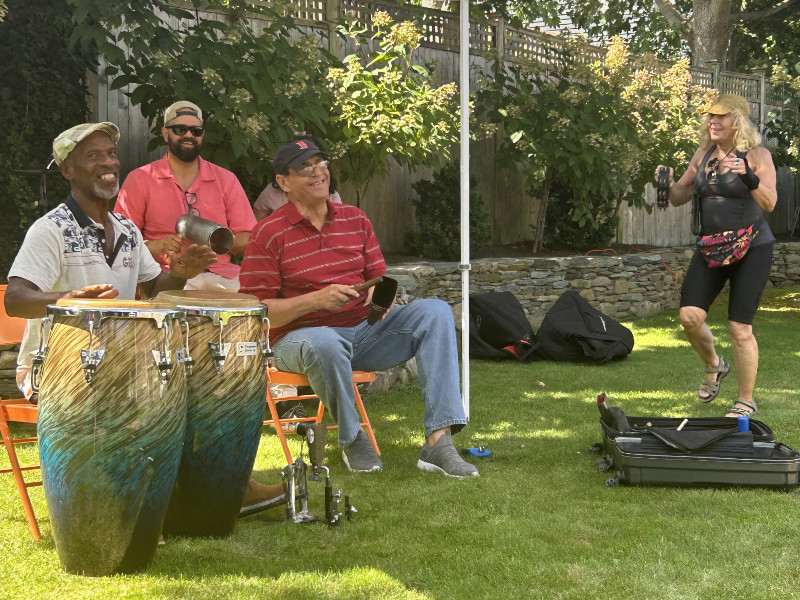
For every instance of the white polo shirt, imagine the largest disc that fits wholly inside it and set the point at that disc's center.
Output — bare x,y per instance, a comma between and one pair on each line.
62,251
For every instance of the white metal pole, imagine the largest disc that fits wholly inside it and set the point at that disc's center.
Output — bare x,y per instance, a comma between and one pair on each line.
463,57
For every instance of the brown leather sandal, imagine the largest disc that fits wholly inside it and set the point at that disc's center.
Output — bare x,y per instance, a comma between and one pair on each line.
741,411
712,387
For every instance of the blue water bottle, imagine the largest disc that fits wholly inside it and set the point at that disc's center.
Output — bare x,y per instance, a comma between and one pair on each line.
743,424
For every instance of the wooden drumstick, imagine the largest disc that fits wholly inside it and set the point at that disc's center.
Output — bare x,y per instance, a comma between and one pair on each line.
367,284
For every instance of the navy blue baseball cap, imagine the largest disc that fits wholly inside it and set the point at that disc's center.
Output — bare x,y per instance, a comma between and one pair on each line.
294,154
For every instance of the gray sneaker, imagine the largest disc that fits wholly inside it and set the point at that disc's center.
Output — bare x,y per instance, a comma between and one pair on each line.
444,458
360,456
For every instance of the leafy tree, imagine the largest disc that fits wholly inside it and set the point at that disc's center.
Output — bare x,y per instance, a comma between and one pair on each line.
707,27
563,233
668,28
256,91
43,92
600,132
388,106
784,126
775,39
517,13
438,215
262,89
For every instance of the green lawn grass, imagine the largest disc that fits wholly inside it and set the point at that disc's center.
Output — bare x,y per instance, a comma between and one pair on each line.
538,523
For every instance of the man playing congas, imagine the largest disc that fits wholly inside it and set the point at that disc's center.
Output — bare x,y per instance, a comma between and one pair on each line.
82,250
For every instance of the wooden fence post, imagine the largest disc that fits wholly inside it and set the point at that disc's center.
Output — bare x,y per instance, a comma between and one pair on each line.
762,96
500,39
715,65
333,15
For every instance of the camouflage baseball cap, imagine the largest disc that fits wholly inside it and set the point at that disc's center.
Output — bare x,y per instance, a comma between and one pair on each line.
67,140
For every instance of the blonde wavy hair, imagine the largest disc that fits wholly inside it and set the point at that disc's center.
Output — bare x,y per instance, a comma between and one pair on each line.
745,134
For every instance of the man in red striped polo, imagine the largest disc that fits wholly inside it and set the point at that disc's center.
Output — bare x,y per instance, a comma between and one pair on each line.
303,262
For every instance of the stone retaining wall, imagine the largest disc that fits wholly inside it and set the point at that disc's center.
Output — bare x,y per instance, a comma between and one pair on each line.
625,286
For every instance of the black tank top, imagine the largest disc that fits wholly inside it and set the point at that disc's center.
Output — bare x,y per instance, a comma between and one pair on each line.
728,203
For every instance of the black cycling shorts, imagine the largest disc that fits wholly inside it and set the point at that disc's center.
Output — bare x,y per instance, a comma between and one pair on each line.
748,279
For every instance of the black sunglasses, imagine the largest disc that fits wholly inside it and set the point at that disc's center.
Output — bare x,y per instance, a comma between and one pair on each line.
196,130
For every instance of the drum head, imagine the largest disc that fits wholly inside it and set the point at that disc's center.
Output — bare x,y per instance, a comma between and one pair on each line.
115,303
210,298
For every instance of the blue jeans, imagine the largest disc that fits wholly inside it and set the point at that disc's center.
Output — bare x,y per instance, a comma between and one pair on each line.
423,329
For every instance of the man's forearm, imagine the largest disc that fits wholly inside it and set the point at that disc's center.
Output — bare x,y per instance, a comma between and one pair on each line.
154,247
28,303
165,281
240,242
282,311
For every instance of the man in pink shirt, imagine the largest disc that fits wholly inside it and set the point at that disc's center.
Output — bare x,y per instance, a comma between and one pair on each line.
155,196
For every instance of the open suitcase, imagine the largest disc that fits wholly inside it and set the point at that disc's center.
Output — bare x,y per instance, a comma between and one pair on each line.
692,452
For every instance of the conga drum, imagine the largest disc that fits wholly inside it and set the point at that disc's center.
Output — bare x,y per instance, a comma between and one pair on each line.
112,416
226,397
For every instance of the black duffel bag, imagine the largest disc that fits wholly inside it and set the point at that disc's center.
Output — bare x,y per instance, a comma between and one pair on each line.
499,328
573,330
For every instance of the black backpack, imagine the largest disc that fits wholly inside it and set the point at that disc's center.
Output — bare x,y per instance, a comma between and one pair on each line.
573,330
499,328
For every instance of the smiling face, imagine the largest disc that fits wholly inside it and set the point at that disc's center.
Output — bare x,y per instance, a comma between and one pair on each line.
185,147
313,187
721,129
92,167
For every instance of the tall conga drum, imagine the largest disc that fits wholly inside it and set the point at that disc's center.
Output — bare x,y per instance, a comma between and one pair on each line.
112,417
226,397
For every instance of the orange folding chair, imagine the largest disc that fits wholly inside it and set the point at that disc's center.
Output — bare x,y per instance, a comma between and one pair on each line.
17,410
274,376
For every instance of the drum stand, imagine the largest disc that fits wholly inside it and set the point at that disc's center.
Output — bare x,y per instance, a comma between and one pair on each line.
295,486
295,476
295,481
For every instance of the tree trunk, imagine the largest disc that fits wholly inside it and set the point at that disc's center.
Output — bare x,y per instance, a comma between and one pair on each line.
710,31
541,215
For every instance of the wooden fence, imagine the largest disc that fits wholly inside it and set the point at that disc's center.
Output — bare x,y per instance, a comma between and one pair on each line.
513,212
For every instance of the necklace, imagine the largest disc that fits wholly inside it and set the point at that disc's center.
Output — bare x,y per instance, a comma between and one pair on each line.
724,156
